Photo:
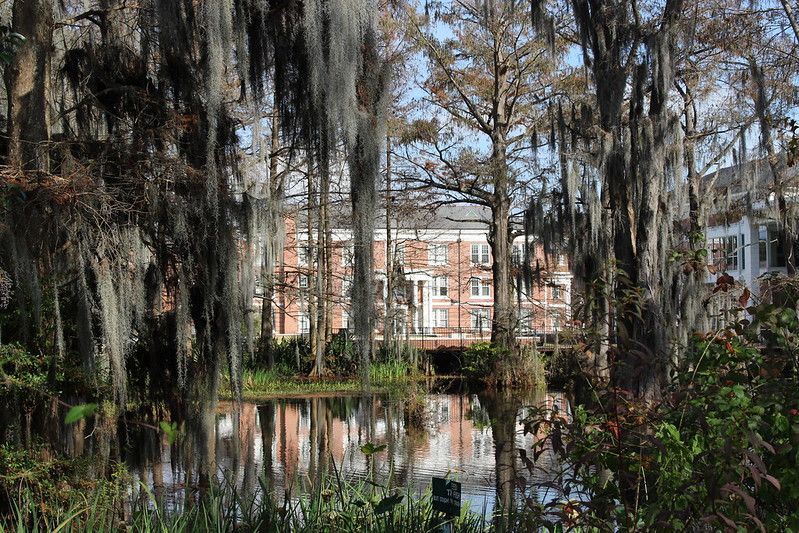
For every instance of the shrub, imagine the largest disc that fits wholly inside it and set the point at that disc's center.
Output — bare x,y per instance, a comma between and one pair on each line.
415,414
721,451
510,368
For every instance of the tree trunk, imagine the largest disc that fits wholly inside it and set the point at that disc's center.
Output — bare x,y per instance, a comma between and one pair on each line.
268,266
388,320
322,263
312,268
786,233
364,163
499,239
27,79
502,325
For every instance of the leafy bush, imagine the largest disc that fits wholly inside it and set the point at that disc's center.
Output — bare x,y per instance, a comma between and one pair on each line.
293,353
720,451
341,358
480,359
496,366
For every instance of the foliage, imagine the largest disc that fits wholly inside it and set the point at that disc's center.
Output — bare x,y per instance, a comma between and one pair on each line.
334,504
341,358
36,474
390,372
497,366
20,369
79,412
721,450
479,359
292,355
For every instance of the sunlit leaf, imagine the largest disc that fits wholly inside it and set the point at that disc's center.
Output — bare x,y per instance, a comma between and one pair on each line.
77,412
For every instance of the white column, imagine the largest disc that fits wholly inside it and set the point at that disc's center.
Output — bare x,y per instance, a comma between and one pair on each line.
428,305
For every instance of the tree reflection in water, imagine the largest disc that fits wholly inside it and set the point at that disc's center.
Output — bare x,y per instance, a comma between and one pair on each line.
293,443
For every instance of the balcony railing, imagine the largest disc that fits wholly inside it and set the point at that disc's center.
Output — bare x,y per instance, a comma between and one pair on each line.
433,338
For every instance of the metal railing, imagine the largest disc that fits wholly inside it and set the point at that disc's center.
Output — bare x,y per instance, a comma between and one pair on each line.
435,338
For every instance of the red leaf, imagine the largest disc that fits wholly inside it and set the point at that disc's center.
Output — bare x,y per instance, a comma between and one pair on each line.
744,299
771,479
727,521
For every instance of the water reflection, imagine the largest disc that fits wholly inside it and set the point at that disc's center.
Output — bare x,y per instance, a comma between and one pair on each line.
472,438
293,443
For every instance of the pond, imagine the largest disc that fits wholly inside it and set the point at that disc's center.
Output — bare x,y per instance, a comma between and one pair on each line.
290,443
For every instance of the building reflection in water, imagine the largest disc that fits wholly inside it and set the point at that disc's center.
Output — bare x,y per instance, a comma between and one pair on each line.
292,443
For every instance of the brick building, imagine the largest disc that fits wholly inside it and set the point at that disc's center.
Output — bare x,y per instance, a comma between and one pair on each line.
442,284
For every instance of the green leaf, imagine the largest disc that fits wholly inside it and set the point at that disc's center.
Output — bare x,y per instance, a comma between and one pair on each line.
388,503
80,411
171,430
369,448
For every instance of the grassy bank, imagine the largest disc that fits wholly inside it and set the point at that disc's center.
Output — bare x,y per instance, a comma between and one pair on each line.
265,384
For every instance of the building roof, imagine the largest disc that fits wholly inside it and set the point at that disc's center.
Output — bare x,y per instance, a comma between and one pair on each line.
421,217
450,216
749,177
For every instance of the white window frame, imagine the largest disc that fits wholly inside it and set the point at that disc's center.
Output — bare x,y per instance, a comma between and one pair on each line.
723,252
303,253
438,253
557,292
302,282
517,254
399,253
481,254
438,314
477,323
303,322
348,254
438,285
480,288
346,287
526,316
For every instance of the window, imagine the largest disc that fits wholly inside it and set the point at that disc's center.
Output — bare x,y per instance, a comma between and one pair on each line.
303,282
345,318
481,287
556,292
776,257
561,260
517,254
346,287
525,321
303,254
743,252
437,254
440,318
440,286
348,255
480,254
304,322
481,319
723,252
399,253
556,323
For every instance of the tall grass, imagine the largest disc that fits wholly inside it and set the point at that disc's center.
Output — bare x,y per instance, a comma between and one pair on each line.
390,372
334,505
262,383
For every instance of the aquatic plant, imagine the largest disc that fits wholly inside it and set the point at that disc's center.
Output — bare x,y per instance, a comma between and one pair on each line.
333,504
